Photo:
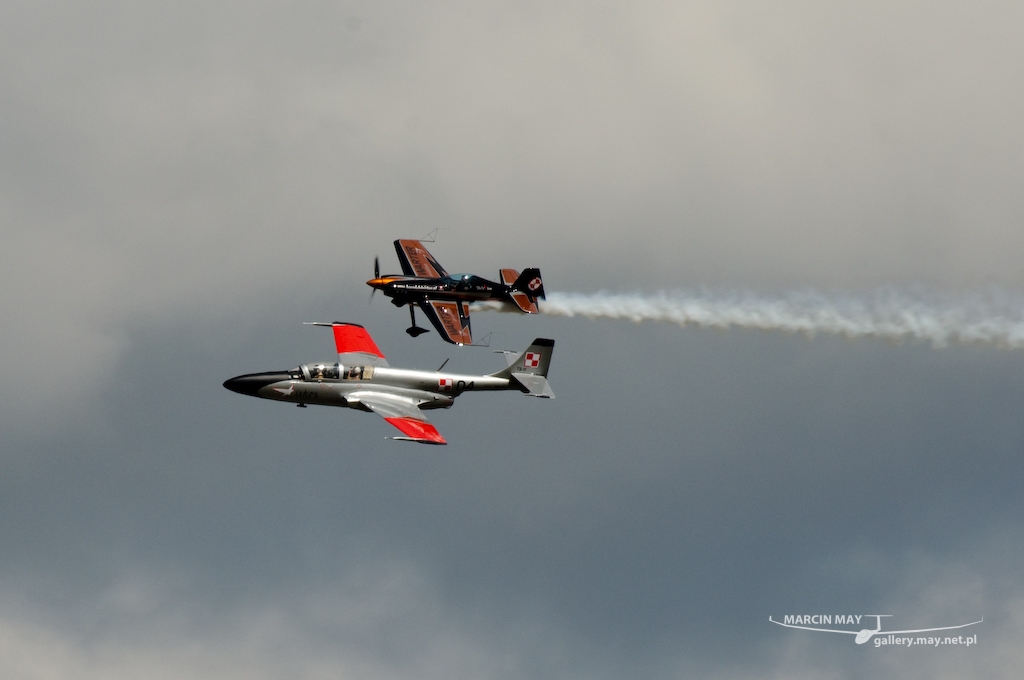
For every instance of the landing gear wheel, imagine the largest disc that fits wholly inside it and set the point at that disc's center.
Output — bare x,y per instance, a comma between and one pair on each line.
414,330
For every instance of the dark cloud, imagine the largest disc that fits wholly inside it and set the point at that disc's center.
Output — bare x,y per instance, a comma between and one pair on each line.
683,486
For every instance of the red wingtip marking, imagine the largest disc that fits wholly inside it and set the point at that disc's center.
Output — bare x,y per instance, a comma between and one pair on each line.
351,338
417,429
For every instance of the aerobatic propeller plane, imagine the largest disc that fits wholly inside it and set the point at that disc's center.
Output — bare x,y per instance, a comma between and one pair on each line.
361,379
445,297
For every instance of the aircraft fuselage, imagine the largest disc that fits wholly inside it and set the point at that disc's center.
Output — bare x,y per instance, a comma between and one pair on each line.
334,384
362,379
464,287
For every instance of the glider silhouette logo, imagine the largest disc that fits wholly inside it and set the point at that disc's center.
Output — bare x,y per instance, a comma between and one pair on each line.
882,637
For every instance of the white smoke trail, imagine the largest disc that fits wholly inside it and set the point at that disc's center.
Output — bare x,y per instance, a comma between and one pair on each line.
991,318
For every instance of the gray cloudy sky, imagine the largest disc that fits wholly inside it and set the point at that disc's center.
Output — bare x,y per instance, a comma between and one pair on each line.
182,184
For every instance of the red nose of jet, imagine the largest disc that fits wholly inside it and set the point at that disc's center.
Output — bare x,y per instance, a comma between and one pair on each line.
252,383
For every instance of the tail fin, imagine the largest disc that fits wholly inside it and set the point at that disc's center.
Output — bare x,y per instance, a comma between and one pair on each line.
529,371
526,288
529,282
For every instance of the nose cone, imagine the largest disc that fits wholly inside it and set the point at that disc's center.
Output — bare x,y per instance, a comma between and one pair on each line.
377,284
252,383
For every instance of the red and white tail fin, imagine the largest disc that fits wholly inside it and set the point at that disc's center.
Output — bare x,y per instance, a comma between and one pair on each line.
529,370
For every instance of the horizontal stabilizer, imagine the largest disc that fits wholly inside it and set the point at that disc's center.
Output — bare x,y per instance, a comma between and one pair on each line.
510,357
524,302
534,385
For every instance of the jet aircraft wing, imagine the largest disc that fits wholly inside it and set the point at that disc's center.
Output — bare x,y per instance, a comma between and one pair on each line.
451,319
354,344
417,261
403,413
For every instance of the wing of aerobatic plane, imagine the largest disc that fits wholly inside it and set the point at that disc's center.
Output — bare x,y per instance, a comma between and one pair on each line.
417,260
451,319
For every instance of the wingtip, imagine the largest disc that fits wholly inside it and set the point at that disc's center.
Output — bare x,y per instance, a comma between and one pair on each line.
416,430
417,441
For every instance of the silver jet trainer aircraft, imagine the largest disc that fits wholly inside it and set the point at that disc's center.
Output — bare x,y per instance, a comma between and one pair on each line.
362,379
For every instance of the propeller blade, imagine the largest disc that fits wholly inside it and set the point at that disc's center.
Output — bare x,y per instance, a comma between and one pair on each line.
376,267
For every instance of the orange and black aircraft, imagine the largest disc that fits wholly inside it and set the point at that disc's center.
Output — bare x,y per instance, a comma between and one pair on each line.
445,297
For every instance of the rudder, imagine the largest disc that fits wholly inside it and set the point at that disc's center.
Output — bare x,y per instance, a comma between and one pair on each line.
528,372
534,361
531,283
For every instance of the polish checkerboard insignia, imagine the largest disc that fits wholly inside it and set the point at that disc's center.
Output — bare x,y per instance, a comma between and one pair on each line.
531,360
534,283
446,384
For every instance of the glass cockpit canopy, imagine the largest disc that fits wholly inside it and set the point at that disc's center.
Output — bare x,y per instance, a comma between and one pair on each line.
320,371
325,371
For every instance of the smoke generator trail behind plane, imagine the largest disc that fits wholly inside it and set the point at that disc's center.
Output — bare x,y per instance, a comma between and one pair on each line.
992,318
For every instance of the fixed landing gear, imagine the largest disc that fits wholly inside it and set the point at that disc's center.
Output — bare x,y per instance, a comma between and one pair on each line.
414,330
